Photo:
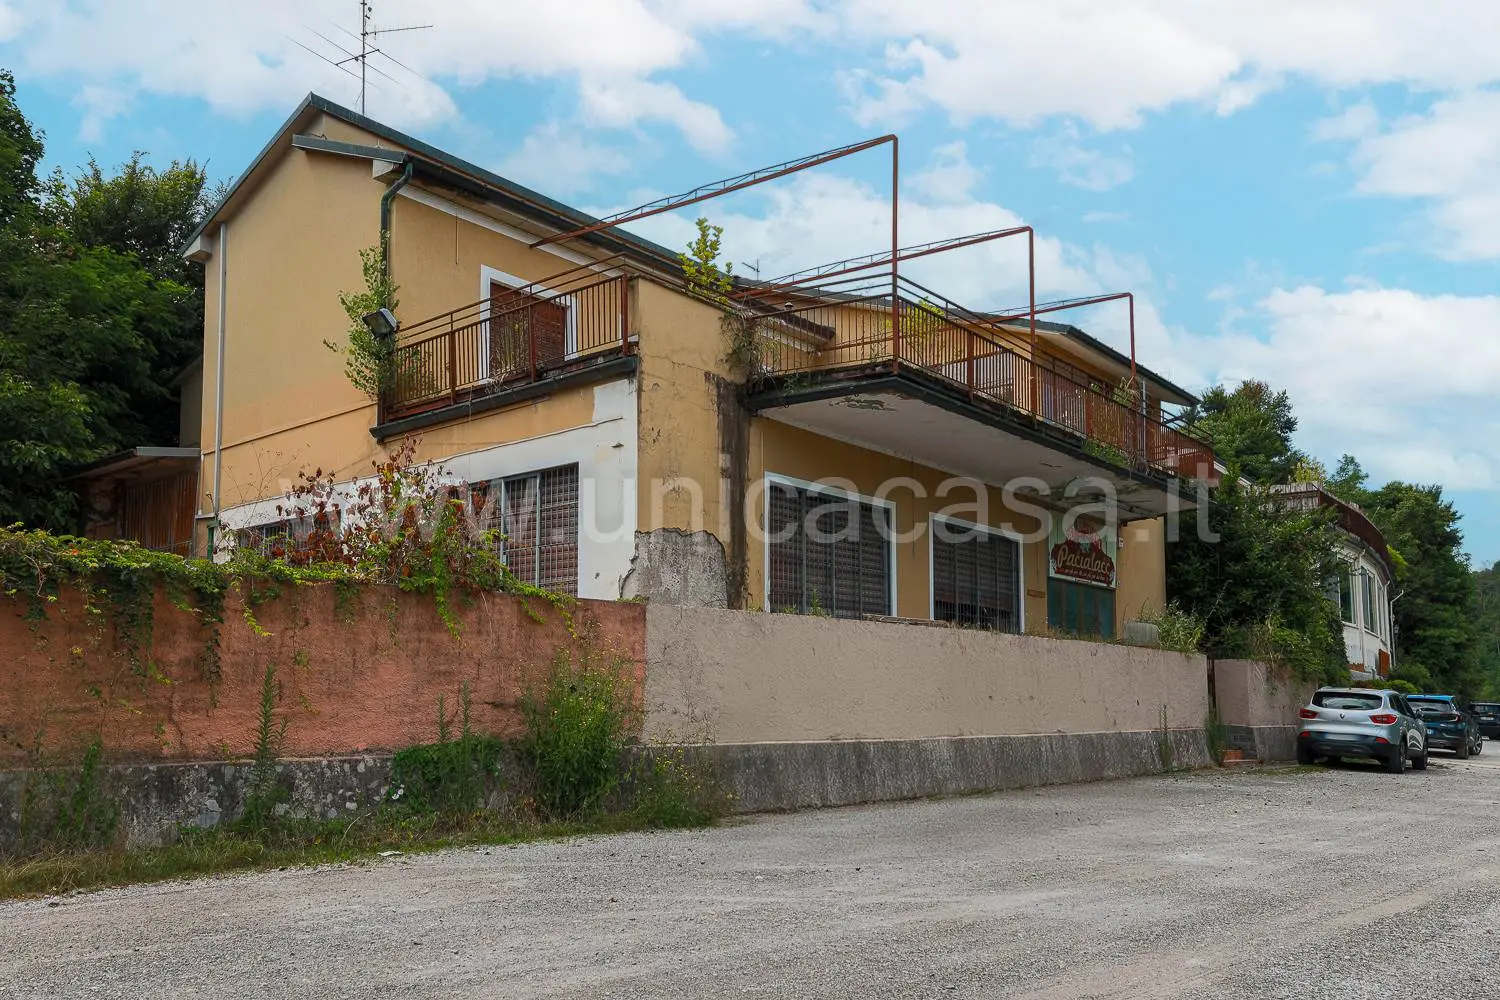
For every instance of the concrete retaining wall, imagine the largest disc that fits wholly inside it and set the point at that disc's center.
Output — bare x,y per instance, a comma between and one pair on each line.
1259,704
751,677
156,799
771,776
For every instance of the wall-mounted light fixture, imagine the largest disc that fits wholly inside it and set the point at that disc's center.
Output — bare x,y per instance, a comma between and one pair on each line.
382,323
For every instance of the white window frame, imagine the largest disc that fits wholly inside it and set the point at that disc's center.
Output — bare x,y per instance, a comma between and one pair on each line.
987,529
488,276
835,491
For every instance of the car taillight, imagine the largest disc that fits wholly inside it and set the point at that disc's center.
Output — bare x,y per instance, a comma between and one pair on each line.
1455,718
1308,713
1383,719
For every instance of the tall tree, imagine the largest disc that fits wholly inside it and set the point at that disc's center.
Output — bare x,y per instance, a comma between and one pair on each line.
148,214
1348,480
1487,625
82,335
1435,628
1259,581
1251,428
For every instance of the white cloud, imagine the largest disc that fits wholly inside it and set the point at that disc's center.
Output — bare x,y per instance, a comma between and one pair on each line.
245,58
100,105
1449,157
626,102
950,177
1354,122
1109,64
559,157
1078,164
1404,381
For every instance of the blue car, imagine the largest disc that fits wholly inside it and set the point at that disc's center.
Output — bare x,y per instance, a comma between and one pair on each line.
1487,713
1450,724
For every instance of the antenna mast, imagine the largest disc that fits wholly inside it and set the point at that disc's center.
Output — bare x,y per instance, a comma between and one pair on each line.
367,36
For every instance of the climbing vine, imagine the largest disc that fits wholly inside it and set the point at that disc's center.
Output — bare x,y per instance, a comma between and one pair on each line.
407,526
369,361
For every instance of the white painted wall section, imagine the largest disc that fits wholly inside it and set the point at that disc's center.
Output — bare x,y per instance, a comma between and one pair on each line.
605,450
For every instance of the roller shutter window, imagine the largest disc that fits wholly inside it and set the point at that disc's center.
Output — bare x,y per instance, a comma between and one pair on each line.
827,553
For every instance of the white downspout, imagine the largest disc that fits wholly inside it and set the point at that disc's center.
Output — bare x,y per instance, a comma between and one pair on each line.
223,254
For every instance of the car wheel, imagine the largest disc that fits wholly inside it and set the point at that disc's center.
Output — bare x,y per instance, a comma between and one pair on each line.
1479,747
1419,763
1462,753
1396,762
1305,756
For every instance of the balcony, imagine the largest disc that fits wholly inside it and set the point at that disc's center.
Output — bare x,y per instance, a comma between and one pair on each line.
848,355
495,349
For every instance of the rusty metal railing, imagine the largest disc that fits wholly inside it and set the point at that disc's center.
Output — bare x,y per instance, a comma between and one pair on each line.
980,359
516,336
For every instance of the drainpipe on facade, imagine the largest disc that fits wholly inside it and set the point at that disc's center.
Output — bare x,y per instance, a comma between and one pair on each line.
1390,612
386,201
222,250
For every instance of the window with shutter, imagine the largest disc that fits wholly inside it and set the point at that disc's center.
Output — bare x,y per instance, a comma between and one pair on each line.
976,577
826,553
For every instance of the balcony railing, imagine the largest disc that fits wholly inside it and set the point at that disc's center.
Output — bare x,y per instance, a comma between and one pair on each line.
516,336
979,358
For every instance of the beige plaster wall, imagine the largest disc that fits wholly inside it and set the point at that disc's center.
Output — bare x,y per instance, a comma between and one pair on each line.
1250,693
292,248
744,676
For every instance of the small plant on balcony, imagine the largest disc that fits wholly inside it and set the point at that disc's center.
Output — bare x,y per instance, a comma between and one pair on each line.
369,360
700,265
743,342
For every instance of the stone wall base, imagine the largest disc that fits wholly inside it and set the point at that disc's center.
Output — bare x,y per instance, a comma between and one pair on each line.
1268,744
771,776
156,799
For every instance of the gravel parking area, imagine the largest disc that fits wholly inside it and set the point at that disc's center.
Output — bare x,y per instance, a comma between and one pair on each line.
1340,883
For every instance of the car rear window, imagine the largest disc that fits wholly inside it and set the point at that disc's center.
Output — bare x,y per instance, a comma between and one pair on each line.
1349,701
1432,707
1486,709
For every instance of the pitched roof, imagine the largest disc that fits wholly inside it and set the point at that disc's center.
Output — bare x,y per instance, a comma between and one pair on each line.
445,167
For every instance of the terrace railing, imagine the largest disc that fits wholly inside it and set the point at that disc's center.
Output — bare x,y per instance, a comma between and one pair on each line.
514,337
977,357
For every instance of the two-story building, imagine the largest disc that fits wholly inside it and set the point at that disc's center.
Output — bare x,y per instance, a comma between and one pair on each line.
884,453
1363,586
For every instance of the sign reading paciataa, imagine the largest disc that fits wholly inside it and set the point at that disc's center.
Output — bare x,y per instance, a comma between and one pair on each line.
1084,552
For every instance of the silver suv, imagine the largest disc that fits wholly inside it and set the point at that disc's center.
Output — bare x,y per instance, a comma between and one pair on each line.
1359,722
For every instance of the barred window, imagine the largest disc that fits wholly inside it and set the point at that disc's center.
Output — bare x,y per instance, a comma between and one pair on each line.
537,515
286,538
976,577
828,553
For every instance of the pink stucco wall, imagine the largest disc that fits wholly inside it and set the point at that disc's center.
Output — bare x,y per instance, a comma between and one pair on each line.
370,683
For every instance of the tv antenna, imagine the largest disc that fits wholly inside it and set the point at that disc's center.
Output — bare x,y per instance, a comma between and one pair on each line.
368,36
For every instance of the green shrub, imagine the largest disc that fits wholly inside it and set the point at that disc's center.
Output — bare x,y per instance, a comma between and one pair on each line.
1177,629
670,792
1217,735
447,777
67,809
577,726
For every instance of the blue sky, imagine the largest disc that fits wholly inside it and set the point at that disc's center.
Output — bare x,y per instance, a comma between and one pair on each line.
1307,193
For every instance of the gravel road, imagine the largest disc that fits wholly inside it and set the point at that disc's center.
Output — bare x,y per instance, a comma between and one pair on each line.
1344,883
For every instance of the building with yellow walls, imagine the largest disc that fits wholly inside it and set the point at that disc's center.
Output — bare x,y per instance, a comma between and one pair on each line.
870,455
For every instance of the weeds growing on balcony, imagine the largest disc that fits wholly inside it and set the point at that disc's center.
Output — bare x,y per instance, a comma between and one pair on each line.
369,359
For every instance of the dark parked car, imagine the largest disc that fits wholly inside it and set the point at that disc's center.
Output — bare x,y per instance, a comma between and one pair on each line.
1487,714
1358,722
1450,724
